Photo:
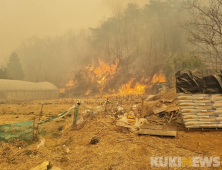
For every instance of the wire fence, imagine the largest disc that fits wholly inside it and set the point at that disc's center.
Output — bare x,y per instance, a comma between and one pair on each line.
52,127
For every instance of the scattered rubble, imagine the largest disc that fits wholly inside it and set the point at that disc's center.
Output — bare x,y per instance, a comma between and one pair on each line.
94,141
42,143
121,122
160,109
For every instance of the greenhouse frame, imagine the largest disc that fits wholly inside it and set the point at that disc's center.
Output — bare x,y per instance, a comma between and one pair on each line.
16,90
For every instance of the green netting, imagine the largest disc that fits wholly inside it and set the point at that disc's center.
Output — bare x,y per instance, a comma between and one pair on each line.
22,131
57,116
54,126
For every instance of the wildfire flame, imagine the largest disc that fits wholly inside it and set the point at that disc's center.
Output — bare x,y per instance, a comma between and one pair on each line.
139,87
127,88
102,73
62,90
68,86
87,92
158,78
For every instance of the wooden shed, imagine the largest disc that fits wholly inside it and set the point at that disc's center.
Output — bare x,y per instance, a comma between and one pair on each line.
16,90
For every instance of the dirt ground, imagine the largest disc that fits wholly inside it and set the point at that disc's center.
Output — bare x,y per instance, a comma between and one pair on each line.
117,147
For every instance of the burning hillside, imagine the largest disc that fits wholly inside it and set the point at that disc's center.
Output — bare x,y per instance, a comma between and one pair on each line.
110,79
68,86
101,74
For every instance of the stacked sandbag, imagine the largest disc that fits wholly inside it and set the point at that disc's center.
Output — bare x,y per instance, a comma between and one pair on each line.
201,110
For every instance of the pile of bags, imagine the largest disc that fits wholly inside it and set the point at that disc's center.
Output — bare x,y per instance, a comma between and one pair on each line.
201,110
200,98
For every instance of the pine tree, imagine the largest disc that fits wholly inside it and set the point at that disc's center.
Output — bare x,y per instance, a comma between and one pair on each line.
14,67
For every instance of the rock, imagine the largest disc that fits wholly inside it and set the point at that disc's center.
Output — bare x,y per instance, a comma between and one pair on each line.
42,143
44,166
60,128
94,140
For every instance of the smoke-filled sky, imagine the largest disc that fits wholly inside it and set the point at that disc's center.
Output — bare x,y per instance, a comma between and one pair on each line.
21,19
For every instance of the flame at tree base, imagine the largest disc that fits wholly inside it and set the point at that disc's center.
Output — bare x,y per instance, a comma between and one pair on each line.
109,80
127,89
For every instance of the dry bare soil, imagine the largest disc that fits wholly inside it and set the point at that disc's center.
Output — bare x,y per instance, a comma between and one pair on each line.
117,147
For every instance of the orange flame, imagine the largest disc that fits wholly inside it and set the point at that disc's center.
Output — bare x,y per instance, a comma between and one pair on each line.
105,72
62,90
127,88
158,78
68,86
102,73
87,92
70,83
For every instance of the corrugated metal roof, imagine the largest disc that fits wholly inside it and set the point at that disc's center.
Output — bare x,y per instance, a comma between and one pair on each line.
17,85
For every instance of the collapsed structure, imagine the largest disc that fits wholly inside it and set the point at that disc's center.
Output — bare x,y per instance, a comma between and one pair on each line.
16,90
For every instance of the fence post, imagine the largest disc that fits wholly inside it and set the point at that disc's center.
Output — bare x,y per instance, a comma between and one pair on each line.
76,113
34,135
41,112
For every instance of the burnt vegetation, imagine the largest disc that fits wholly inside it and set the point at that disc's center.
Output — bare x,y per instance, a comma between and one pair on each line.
127,49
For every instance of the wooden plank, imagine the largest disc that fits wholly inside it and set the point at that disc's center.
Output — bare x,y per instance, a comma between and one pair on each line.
152,126
157,132
160,109
204,129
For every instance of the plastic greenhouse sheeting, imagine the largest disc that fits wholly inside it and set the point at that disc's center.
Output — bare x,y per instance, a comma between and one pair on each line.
18,85
199,81
22,131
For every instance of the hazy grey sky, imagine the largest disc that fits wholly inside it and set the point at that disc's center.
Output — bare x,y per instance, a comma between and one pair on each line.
21,19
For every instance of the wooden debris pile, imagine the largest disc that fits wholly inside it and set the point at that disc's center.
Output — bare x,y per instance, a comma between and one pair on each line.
166,112
157,121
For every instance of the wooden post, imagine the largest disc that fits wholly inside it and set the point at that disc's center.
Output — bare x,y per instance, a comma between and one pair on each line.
76,114
41,112
33,133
